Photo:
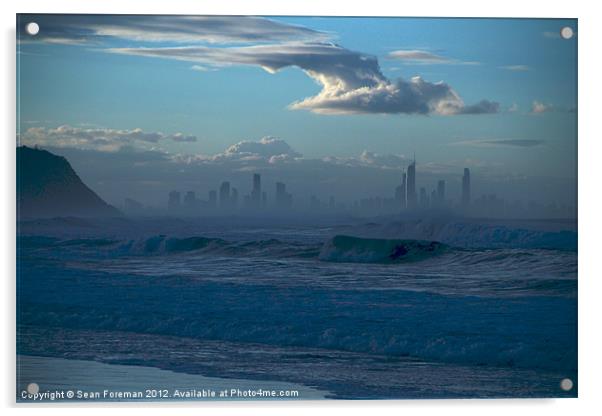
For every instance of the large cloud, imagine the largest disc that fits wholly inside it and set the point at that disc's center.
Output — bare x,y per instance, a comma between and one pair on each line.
102,139
70,29
352,82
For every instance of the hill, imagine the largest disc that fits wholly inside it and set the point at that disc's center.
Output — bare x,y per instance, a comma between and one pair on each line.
47,186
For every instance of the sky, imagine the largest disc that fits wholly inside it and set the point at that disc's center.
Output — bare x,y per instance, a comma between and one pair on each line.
332,106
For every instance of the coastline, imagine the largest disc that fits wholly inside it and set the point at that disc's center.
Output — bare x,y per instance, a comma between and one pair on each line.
114,382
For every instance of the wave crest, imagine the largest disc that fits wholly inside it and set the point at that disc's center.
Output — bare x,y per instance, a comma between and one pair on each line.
342,248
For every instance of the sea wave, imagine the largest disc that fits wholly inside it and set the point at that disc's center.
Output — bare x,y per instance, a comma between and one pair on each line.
466,330
470,234
342,248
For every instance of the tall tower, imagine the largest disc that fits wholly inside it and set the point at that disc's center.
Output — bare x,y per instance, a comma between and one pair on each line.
224,195
466,188
256,192
173,203
212,198
441,192
411,188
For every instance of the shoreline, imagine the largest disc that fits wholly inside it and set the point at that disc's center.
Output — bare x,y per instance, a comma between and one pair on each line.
59,378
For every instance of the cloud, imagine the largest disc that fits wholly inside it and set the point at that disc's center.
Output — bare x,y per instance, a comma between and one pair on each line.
516,68
352,82
201,68
267,147
538,107
500,143
482,107
266,150
179,137
81,29
102,139
420,57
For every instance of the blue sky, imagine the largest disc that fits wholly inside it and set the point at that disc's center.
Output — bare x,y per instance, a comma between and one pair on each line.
506,105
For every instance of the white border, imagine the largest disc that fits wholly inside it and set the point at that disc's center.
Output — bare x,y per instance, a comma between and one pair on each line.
590,272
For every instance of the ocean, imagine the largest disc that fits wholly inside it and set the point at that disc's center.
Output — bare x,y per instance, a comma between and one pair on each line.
383,310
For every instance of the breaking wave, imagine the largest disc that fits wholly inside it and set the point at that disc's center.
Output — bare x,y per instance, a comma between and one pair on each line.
342,248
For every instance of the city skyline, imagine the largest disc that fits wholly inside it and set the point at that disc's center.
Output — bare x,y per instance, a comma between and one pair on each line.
400,202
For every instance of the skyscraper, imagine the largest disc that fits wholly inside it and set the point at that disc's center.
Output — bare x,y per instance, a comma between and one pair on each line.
411,186
400,193
466,188
256,192
441,193
190,203
224,195
284,200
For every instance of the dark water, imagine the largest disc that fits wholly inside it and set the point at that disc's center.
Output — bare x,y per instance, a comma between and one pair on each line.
345,316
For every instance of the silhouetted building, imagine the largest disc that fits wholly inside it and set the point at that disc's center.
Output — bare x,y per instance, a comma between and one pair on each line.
284,200
173,203
400,193
224,195
264,199
411,186
234,198
256,192
466,188
441,193
190,202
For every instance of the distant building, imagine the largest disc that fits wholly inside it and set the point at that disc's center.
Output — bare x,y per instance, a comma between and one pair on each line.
256,192
400,194
466,188
224,195
190,202
284,200
411,186
173,203
441,193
